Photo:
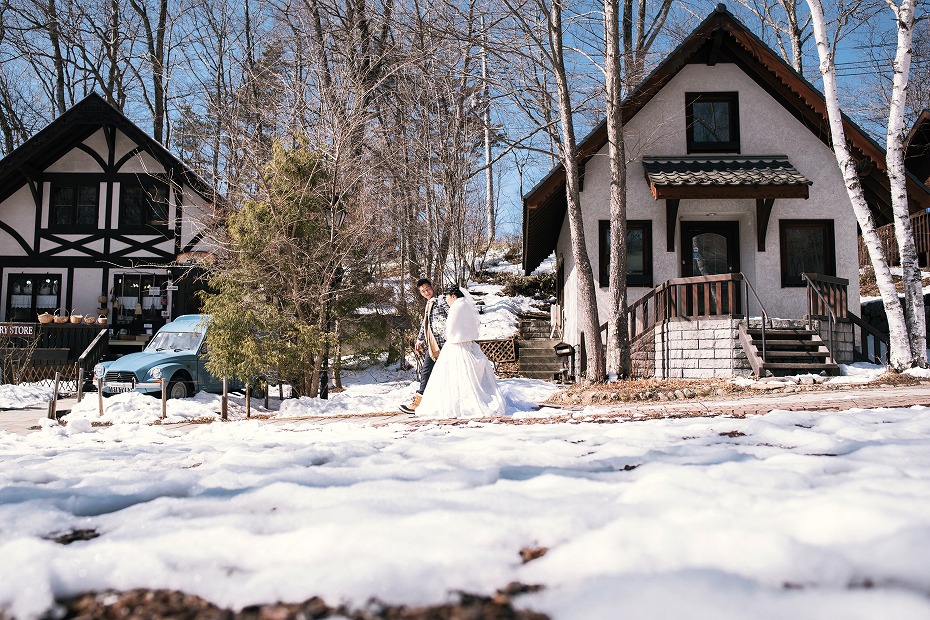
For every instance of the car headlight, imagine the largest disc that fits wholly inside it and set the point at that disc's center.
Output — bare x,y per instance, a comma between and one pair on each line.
99,371
155,373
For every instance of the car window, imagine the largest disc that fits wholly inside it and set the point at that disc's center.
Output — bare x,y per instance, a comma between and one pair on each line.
175,341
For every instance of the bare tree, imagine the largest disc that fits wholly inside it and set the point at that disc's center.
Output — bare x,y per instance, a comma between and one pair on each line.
34,29
537,38
781,20
153,15
638,40
618,343
900,356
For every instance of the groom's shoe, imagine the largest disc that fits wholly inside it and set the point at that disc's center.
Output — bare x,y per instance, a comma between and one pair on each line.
411,408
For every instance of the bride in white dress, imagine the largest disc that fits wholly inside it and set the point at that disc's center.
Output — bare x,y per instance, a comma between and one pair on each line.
462,384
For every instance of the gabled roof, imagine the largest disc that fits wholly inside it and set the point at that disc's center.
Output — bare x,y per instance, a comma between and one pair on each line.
73,127
719,38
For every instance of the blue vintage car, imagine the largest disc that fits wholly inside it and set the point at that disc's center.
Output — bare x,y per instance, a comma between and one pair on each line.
176,354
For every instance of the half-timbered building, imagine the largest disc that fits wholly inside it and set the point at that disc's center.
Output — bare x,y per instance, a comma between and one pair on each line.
99,219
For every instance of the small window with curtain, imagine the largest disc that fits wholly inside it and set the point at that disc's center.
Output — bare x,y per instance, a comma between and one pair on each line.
143,204
807,246
712,122
74,206
31,294
638,253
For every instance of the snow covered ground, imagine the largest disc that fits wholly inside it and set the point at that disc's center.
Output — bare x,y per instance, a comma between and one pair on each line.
783,516
789,515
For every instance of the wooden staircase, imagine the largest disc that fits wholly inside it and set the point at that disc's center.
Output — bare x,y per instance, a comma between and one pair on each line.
537,358
787,351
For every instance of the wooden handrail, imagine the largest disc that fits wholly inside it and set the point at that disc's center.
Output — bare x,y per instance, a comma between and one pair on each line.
91,355
90,349
877,336
685,297
813,288
831,294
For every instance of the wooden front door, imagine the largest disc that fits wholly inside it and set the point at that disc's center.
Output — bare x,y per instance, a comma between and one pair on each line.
709,248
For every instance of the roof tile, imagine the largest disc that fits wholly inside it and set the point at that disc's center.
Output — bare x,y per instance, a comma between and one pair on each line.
722,171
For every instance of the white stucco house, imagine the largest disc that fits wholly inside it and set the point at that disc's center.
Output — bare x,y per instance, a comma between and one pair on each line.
734,192
99,218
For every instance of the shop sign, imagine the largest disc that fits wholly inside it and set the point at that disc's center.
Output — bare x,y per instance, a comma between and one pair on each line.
17,329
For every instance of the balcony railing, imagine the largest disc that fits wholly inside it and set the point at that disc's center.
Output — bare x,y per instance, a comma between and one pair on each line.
920,223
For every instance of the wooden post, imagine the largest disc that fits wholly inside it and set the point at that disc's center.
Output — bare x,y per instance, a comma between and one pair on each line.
100,394
248,401
53,404
164,398
225,401
266,394
80,384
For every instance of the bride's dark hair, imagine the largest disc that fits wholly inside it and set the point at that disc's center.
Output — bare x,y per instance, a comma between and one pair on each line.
455,290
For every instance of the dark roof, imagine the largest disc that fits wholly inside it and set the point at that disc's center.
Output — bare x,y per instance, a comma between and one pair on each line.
73,127
758,176
720,38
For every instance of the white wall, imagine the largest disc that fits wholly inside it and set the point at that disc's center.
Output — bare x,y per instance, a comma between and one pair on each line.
87,287
194,220
766,128
19,213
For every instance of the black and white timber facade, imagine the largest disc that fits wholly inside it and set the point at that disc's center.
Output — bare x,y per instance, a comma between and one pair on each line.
96,217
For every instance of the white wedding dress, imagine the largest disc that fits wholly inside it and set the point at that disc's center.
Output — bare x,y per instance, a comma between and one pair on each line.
462,384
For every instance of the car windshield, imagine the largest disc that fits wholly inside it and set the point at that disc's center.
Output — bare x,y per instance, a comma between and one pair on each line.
176,341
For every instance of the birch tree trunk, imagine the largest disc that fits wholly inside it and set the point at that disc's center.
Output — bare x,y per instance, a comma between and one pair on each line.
568,148
618,339
904,233
900,353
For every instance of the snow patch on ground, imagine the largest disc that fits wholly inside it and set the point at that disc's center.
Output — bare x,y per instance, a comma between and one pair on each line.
24,395
782,516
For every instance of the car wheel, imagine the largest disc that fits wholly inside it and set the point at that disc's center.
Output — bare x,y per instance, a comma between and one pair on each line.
180,389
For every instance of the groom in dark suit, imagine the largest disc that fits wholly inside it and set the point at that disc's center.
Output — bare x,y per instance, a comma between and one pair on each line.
432,336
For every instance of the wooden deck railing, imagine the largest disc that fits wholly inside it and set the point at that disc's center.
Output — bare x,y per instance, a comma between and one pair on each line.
723,295
920,222
826,293
687,297
827,299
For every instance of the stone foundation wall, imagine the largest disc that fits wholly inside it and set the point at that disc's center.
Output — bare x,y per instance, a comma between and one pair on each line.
710,347
643,356
691,349
843,339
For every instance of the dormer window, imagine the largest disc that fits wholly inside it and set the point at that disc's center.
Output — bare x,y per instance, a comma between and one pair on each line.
712,122
143,204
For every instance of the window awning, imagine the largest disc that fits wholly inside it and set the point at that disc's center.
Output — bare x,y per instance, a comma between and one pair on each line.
738,176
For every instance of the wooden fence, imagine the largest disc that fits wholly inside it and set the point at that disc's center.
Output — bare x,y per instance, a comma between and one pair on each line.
33,352
920,222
